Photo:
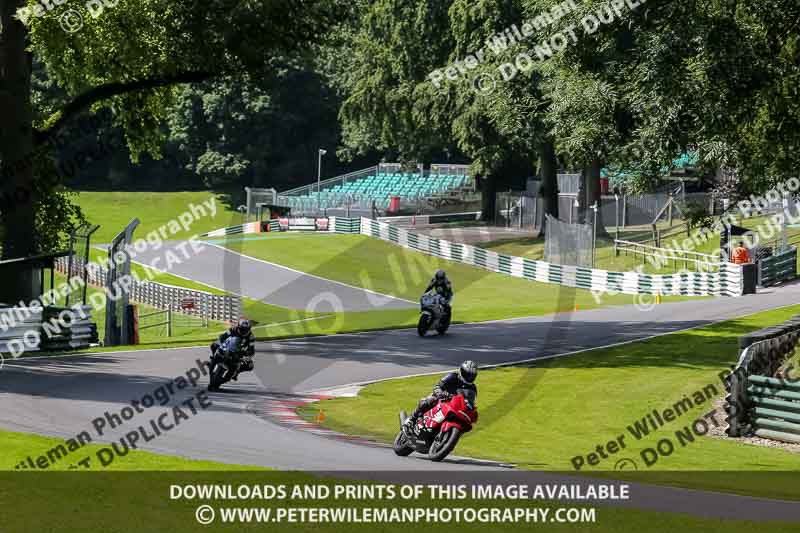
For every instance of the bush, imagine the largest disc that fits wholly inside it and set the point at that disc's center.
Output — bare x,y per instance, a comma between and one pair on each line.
697,215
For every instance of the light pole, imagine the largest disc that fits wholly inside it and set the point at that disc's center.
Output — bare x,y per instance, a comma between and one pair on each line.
595,208
320,153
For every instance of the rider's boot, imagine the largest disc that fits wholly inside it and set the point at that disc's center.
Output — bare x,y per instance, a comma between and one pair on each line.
408,425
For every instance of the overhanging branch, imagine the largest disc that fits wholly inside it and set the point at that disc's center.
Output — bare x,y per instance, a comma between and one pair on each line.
83,101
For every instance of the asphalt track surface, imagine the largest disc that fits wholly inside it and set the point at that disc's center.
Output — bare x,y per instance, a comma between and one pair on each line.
267,282
61,396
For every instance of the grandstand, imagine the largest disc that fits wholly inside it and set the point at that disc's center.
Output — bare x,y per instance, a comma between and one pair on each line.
377,185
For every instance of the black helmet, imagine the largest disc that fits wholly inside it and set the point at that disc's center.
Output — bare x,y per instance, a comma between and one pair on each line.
243,327
468,371
440,275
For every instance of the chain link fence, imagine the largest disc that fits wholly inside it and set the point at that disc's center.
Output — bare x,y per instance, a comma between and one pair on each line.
568,244
518,210
79,245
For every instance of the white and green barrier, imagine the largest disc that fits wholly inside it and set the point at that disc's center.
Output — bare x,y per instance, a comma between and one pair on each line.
763,397
344,225
249,227
778,268
726,282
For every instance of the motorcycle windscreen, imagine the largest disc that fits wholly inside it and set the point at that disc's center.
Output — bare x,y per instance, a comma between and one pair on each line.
232,345
470,396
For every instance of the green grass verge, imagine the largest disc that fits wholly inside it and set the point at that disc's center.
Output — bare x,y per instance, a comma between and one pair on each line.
18,446
113,210
388,269
567,407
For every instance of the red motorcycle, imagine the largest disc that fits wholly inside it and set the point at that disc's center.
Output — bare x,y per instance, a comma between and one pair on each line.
438,431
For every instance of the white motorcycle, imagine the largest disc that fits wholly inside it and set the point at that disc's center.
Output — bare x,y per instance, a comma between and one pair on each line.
433,314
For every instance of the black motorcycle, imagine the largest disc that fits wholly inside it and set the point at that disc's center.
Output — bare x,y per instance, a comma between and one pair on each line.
225,362
434,314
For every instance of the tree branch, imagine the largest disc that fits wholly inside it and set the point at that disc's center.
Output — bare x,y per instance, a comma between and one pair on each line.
108,90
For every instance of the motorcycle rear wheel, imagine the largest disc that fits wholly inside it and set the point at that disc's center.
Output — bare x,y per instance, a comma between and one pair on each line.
400,446
443,444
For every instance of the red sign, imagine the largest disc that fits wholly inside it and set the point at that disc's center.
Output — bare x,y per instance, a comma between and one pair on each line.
187,303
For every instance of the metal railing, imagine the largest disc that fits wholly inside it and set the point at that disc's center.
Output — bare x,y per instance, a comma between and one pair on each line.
661,256
162,296
324,184
167,322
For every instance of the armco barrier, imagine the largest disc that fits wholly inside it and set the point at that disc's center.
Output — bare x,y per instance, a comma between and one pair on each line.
764,390
727,282
778,268
20,325
46,328
162,296
68,329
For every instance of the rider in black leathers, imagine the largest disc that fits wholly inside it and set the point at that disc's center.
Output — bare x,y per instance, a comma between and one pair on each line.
447,387
444,288
244,331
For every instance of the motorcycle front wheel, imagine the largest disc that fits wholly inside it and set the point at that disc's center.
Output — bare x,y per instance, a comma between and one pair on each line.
443,444
401,446
423,325
217,378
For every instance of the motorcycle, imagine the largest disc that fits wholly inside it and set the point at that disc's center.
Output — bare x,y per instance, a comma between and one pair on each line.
225,362
433,314
439,430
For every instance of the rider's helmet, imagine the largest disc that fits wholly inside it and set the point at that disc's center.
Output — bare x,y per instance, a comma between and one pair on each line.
440,276
468,371
243,328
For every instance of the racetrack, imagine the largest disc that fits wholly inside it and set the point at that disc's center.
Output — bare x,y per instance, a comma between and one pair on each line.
267,282
61,396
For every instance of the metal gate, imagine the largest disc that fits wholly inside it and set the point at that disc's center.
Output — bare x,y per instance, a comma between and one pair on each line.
119,326
78,259
517,209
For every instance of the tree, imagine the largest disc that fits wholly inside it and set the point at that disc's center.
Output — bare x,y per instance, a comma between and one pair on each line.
393,105
128,60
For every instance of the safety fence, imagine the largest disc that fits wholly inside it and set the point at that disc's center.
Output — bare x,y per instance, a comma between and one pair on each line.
426,220
778,268
764,389
661,257
162,296
727,281
32,329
